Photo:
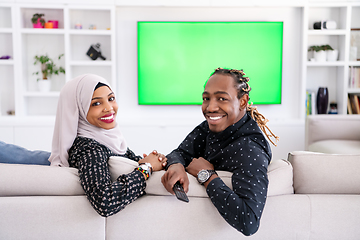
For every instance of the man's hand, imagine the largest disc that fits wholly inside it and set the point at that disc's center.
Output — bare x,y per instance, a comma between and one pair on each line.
176,172
198,164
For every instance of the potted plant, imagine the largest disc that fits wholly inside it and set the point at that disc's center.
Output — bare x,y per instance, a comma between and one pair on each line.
38,20
331,54
48,68
318,52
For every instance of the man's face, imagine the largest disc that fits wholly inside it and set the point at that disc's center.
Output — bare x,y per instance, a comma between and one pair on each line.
220,106
103,108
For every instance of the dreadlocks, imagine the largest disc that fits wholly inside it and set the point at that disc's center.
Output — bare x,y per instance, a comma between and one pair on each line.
242,86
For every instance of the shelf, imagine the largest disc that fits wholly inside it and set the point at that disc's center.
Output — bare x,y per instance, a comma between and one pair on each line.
6,62
90,32
337,32
353,90
42,31
325,64
91,63
354,63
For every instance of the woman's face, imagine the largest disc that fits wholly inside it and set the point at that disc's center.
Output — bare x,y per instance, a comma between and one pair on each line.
103,108
220,106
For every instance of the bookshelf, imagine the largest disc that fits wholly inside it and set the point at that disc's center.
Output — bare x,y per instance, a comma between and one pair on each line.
335,75
23,42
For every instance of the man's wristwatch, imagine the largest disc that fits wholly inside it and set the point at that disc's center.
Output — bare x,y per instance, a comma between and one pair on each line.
204,175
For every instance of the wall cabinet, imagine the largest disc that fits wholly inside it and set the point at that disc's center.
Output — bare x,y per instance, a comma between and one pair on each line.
79,27
331,74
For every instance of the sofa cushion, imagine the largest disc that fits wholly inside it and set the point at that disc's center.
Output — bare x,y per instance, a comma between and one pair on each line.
279,174
325,173
38,180
336,146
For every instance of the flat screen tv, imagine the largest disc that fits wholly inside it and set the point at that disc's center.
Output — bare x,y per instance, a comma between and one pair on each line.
176,58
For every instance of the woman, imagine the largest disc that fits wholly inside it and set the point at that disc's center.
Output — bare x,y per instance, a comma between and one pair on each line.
86,135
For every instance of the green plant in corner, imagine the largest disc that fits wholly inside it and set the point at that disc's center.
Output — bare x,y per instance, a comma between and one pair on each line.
48,66
37,16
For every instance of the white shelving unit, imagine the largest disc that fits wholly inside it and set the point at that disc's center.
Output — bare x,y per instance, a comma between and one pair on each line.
23,42
334,75
7,67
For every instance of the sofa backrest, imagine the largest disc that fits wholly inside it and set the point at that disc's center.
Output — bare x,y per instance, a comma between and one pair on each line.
330,127
319,173
37,180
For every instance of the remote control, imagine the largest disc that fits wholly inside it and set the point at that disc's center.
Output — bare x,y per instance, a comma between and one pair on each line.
179,192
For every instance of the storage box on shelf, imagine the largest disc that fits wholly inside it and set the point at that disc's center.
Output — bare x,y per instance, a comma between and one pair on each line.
331,74
19,36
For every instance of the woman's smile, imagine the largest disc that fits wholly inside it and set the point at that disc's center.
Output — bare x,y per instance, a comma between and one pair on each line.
108,118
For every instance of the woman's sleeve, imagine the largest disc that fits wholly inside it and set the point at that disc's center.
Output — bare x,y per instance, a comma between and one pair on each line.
107,197
131,155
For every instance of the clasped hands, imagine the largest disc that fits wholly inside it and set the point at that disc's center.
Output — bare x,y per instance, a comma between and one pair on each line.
176,172
157,160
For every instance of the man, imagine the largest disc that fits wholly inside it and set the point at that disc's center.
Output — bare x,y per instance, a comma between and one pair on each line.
230,140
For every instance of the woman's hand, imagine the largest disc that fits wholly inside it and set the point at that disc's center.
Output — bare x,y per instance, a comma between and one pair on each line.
157,160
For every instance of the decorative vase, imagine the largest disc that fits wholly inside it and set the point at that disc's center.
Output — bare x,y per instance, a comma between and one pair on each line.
332,55
44,85
55,23
322,100
38,24
48,25
320,56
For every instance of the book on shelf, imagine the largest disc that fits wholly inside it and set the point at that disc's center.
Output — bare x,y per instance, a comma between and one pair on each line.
354,77
310,102
353,105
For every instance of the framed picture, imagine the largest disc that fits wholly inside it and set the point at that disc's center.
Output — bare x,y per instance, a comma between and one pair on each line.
355,44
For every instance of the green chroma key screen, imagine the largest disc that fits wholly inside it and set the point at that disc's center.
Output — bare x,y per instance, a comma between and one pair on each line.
176,58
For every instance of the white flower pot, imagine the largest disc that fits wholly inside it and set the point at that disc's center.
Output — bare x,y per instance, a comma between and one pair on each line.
320,56
332,55
44,85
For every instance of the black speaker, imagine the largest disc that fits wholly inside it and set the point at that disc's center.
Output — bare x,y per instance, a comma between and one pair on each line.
94,52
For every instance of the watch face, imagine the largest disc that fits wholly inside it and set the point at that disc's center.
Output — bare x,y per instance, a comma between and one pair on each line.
203,176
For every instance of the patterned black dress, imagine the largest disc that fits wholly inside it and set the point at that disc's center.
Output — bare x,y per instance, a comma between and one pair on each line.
106,197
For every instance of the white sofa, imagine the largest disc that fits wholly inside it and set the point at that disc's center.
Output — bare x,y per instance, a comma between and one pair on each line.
311,196
333,133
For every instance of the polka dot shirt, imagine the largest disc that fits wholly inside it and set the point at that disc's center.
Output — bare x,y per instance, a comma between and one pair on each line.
241,149
105,196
